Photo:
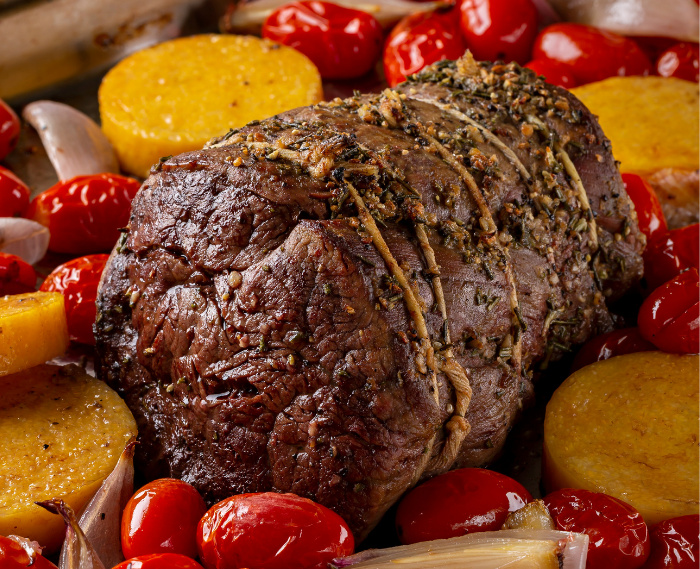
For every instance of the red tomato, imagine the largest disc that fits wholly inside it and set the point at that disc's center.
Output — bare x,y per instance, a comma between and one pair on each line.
670,317
499,29
650,215
675,543
615,343
419,40
680,61
85,213
14,195
14,556
9,129
555,73
271,531
343,43
16,276
618,536
668,255
458,502
591,54
78,280
162,517
159,561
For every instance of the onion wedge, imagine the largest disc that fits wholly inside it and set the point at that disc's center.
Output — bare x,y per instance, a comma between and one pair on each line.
25,238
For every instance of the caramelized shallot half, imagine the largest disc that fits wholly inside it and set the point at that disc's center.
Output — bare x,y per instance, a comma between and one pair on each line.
534,515
25,238
75,145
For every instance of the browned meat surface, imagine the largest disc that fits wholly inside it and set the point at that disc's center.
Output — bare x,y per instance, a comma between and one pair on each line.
298,307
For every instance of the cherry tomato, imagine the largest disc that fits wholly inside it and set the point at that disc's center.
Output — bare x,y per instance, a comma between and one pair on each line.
160,561
670,317
14,556
555,73
9,129
618,536
419,40
499,29
615,343
670,254
342,42
680,61
271,531
78,280
591,54
675,543
458,502
85,213
650,215
14,195
16,276
162,517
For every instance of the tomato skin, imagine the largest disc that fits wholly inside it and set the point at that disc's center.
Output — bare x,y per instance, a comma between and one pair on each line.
342,42
619,538
271,531
458,502
650,215
9,129
16,276
84,214
675,543
670,317
14,556
159,561
419,40
499,29
670,254
615,343
78,280
681,61
554,72
162,517
14,195
590,53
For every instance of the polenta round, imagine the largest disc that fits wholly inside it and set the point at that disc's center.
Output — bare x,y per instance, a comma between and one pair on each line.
179,94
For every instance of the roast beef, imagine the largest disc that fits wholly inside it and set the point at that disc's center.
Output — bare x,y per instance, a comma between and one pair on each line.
342,300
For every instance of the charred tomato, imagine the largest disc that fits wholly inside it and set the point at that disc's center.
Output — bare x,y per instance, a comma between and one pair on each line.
16,276
14,195
650,215
14,556
681,60
615,343
554,73
670,254
675,543
160,561
9,129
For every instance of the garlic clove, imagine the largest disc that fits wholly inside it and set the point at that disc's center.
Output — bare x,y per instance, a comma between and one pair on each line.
25,238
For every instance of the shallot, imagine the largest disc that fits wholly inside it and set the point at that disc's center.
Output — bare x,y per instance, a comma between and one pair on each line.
25,238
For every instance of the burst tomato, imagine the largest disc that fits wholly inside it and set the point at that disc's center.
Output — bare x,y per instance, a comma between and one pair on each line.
271,531
162,517
670,317
618,536
78,280
458,502
650,215
14,195
16,276
675,543
14,556
681,61
160,561
554,72
615,343
499,29
419,40
590,53
84,214
9,129
670,254
343,43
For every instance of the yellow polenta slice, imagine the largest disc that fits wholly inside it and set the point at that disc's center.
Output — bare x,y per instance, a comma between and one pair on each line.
628,427
177,95
62,434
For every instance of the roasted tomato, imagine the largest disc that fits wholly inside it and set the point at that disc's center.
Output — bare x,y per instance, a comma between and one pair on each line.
670,317
619,538
78,280
14,556
499,29
160,561
458,502
343,43
162,517
681,61
590,53
16,276
271,531
615,343
670,254
9,129
675,544
555,73
419,40
650,215
84,214
14,195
